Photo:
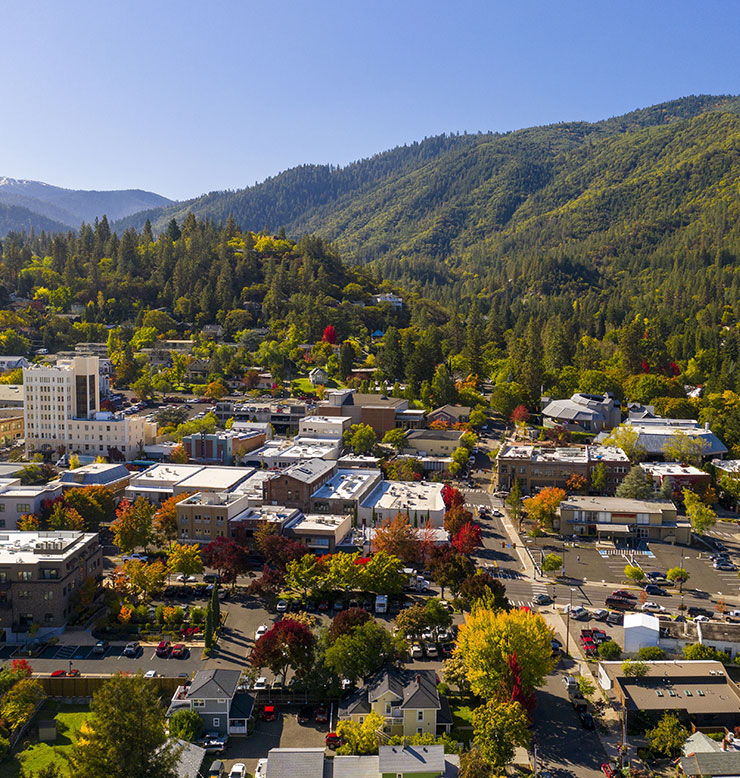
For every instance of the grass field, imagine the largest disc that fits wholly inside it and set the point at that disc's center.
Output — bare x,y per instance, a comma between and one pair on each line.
35,756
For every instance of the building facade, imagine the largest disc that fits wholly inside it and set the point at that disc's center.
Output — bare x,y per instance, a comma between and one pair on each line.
294,486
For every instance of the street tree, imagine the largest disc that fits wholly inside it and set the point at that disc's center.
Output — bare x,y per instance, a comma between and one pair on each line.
456,517
483,588
668,736
360,738
395,438
551,563
498,728
412,621
340,571
303,574
489,638
514,503
360,652
467,539
382,574
633,573
474,765
346,621
133,526
125,735
628,439
701,516
542,508
184,558
450,569
165,518
144,580
229,558
396,536
288,644
677,574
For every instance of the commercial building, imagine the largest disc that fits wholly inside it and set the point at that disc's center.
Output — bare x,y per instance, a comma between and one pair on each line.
433,443
640,630
62,412
344,491
17,500
283,415
617,518
679,475
381,412
324,426
39,575
213,479
279,454
653,434
294,486
583,412
699,692
537,467
320,533
11,396
223,447
158,482
113,477
421,501
244,524
12,426
720,635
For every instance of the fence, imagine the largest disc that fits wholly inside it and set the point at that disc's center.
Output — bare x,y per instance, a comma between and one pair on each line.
87,685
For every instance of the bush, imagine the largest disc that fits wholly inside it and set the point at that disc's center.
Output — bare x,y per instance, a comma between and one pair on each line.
443,689
707,653
651,653
159,615
610,650
186,725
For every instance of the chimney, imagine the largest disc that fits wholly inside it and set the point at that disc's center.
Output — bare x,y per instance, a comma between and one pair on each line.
418,678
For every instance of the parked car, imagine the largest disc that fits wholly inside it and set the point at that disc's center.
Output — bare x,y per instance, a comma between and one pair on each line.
332,740
261,770
269,713
182,578
701,618
322,714
213,742
216,770
261,630
305,714
180,651
556,646
132,649
600,614
577,612
150,674
73,673
101,647
238,770
624,594
163,649
416,651
431,650
615,619
211,578
282,606
570,682
655,576
695,610
656,590
260,684
587,720
541,599
726,565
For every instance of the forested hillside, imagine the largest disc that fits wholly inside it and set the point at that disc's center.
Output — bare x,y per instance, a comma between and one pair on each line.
15,217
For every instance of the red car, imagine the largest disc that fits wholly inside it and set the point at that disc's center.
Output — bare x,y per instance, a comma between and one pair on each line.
179,651
269,713
68,673
623,593
608,770
322,714
164,648
333,740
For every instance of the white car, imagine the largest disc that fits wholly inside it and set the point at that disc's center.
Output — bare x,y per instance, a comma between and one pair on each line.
260,684
150,674
261,769
182,578
282,606
431,650
416,651
653,607
239,770
260,631
701,618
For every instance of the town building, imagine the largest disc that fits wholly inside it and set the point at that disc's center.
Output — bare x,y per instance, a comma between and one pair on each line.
214,696
654,433
344,491
223,447
62,412
17,500
254,487
159,482
113,477
39,575
433,443
583,412
279,454
450,415
700,692
538,467
244,524
318,376
12,426
679,475
294,486
320,533
640,630
379,411
11,396
9,363
332,427
720,635
617,518
213,479
283,415
407,700
421,500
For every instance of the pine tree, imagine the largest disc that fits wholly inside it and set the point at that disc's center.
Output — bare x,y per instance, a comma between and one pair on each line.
208,636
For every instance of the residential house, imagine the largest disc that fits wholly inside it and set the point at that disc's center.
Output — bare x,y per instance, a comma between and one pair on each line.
450,414
720,635
583,412
213,695
407,700
318,377
12,363
388,298
618,518
538,467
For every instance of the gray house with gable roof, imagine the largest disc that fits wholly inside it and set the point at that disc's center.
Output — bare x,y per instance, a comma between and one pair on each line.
213,695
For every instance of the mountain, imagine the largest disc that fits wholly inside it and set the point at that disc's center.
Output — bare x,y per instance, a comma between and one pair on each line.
449,205
70,207
14,218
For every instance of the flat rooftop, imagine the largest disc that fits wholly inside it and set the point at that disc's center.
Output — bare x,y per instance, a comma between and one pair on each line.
616,504
216,478
163,475
663,469
28,548
402,496
571,454
333,420
346,484
319,521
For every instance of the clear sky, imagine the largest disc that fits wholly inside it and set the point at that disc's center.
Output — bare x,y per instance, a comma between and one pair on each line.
188,97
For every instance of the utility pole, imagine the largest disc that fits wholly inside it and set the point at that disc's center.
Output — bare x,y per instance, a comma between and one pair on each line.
680,583
567,626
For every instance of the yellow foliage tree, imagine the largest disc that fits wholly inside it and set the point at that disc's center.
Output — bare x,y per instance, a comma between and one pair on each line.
360,738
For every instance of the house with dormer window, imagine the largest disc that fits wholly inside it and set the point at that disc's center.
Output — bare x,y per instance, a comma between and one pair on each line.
407,700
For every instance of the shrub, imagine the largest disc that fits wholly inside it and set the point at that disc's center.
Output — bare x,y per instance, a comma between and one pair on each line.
650,653
610,650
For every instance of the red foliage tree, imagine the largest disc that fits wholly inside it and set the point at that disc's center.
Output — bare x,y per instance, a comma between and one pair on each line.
520,415
227,557
279,550
330,335
452,497
21,668
271,582
288,644
467,539
345,621
519,693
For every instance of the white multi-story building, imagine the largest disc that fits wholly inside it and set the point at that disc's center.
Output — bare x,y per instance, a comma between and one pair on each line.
62,412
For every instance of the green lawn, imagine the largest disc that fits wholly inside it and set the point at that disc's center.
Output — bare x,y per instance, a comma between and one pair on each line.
462,714
305,385
36,756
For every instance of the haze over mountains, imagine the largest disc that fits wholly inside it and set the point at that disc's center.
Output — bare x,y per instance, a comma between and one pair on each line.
461,208
33,204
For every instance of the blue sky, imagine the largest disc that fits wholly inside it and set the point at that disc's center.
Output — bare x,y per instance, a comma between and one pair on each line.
187,97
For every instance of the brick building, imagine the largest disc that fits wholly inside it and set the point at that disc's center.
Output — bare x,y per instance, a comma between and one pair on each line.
381,412
294,486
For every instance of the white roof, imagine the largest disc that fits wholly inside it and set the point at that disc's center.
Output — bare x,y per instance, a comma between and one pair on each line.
671,469
163,475
346,484
20,547
319,521
641,620
216,478
402,496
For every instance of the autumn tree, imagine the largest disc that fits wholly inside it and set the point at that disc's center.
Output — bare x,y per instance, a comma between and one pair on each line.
396,536
96,505
360,652
184,558
487,640
345,622
456,517
450,569
498,727
701,516
133,527
179,455
684,448
229,558
576,483
668,736
382,573
467,539
360,738
542,508
303,574
165,517
287,644
482,588
144,579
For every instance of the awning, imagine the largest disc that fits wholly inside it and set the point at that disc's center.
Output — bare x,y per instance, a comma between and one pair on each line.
617,529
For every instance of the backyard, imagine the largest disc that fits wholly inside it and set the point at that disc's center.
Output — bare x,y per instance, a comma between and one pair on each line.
33,755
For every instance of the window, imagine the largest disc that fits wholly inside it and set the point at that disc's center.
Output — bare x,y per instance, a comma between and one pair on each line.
643,518
49,595
23,507
420,715
2,507
48,617
216,721
387,709
49,574
25,575
221,702
199,703
419,731
24,594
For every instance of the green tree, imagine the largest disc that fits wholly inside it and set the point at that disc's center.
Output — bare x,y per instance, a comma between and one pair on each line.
701,516
304,574
361,652
610,650
443,387
361,438
498,727
651,653
699,651
637,485
684,448
395,438
185,725
514,503
678,575
668,736
635,574
360,738
184,558
633,669
551,563
598,478
628,439
382,574
125,735
586,686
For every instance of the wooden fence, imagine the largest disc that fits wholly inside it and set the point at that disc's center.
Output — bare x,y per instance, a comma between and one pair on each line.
87,685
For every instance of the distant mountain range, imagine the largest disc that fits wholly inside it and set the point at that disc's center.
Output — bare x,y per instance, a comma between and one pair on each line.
26,205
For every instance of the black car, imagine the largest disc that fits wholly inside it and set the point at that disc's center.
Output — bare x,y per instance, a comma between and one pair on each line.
616,619
587,720
211,578
305,714
556,646
652,588
695,610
